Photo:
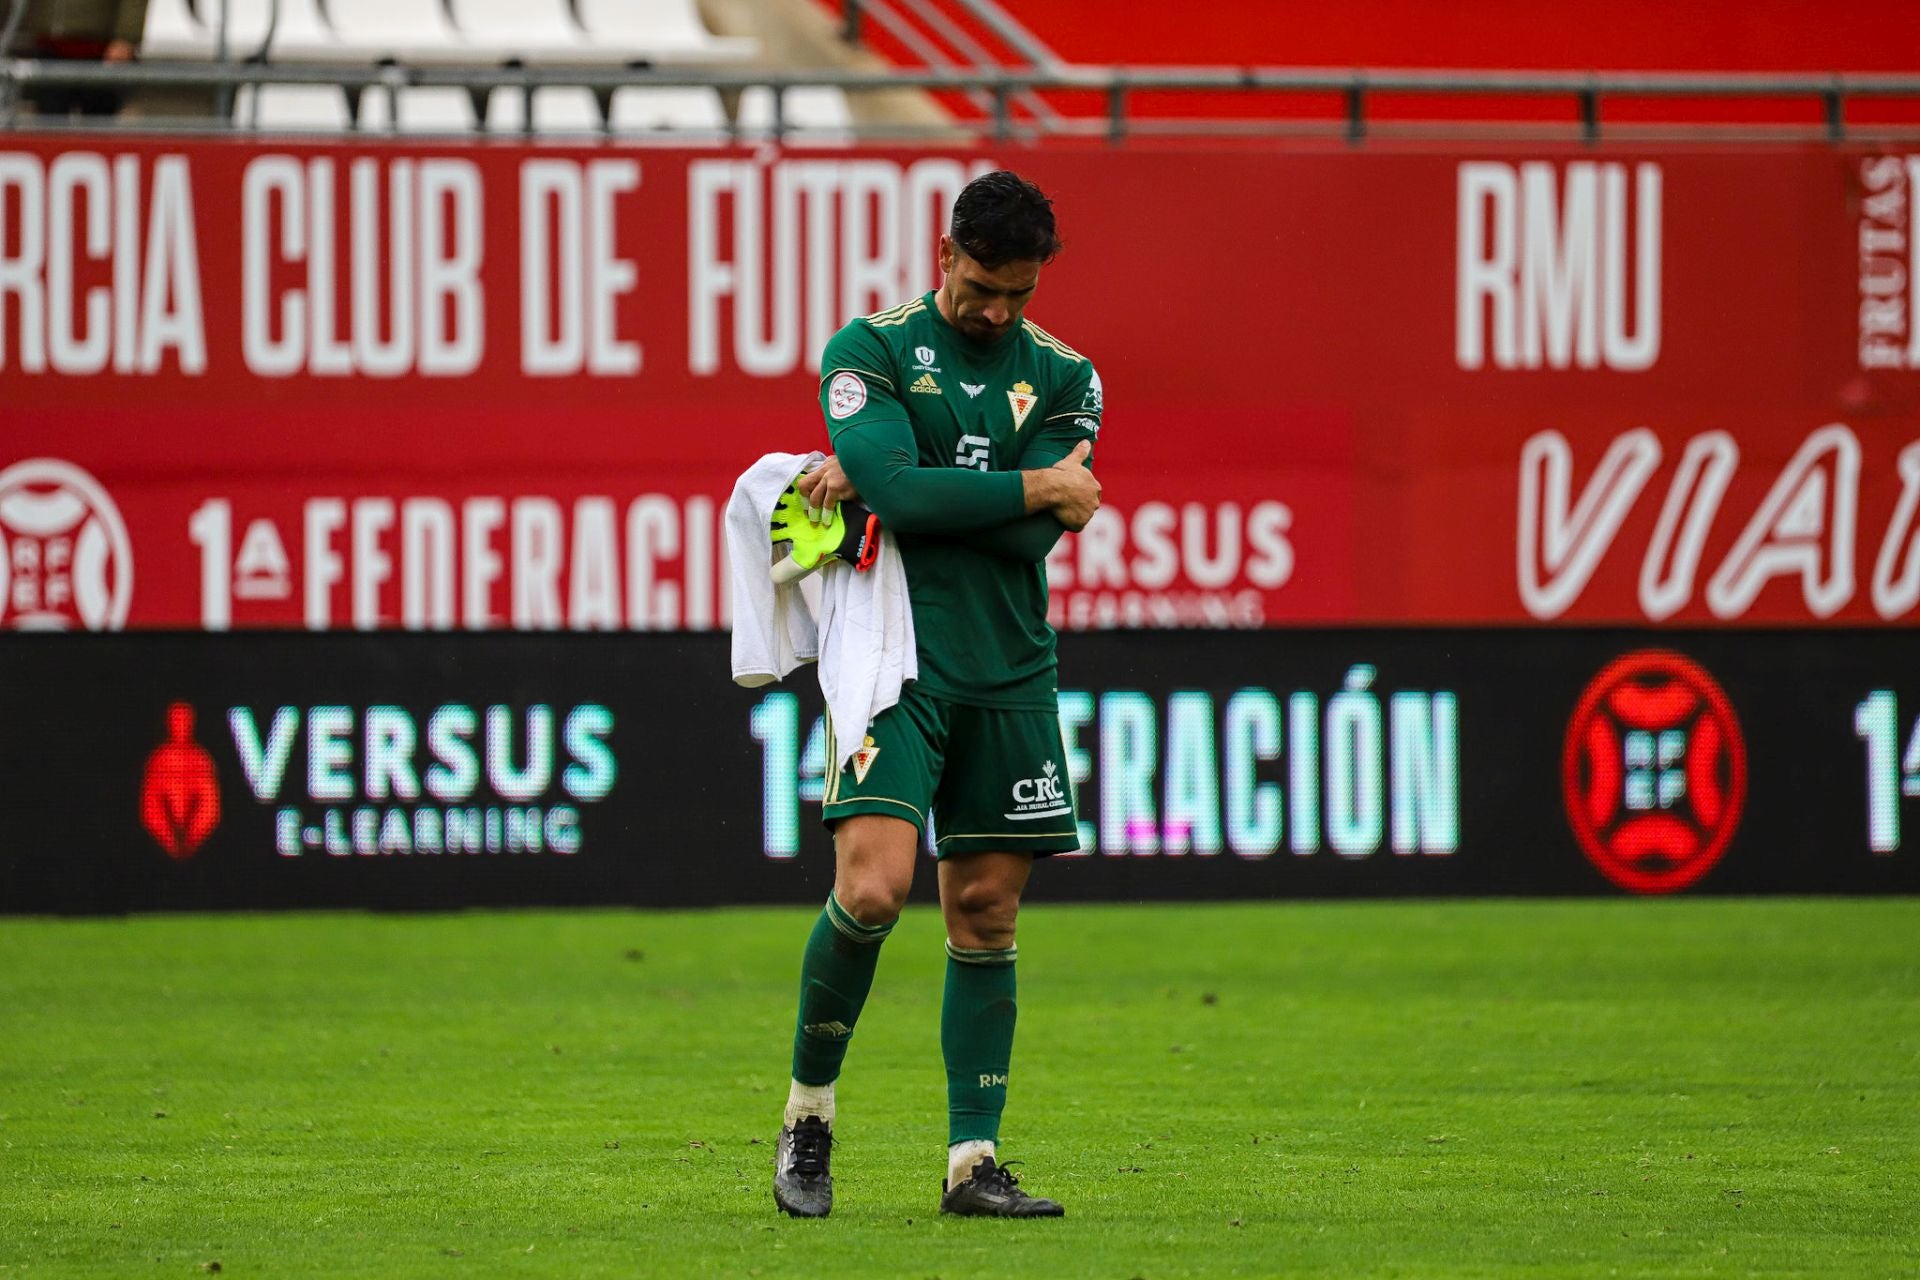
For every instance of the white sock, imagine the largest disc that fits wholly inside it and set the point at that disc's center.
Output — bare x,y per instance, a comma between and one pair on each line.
805,1100
962,1156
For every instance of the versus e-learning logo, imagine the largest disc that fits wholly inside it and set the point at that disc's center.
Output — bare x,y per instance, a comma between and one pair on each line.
386,780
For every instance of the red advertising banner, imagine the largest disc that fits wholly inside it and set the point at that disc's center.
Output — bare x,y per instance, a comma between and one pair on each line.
377,385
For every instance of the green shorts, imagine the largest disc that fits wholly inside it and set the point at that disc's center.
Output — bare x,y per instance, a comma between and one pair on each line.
992,779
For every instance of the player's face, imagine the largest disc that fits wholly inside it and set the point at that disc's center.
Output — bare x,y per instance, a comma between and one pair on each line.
984,302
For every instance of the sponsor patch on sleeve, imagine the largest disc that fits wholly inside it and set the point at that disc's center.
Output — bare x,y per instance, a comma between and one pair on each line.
846,395
1094,401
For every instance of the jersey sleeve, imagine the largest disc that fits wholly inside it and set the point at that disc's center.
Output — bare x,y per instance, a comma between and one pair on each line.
857,381
1073,416
1078,407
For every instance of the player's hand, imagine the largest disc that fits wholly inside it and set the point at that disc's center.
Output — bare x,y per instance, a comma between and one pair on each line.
825,487
1080,490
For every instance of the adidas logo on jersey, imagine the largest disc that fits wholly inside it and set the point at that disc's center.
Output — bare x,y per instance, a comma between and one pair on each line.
973,389
925,385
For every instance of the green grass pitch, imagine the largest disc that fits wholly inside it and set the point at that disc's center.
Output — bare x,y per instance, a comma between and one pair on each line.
1605,1088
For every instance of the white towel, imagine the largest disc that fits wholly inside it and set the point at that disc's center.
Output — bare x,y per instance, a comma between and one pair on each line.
774,629
859,626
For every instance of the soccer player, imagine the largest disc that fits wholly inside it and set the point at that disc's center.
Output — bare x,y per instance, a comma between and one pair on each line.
969,430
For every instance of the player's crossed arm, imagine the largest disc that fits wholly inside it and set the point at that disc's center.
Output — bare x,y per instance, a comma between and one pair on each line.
875,463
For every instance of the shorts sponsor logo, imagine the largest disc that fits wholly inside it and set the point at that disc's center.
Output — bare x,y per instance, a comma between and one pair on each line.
846,395
1041,797
1654,771
180,796
65,559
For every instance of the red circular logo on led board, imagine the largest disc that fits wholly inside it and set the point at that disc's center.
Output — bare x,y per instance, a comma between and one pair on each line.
1654,771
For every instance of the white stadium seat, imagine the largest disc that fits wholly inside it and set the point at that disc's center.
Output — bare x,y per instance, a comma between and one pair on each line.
817,113
425,108
291,106
417,108
565,109
483,32
375,113
659,30
556,109
299,31
173,30
524,30
642,108
406,30
605,32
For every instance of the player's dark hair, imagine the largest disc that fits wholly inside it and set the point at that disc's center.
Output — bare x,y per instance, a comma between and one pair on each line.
1000,217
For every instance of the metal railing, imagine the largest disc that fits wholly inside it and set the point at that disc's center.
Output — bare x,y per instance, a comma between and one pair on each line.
1026,46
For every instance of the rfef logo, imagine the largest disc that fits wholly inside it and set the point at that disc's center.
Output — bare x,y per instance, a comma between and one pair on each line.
180,798
64,553
1654,771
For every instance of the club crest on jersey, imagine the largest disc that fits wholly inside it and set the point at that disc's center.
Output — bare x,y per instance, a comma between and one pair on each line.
846,395
925,385
863,759
1022,399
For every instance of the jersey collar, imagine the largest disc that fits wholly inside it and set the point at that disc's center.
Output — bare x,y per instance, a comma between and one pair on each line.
973,347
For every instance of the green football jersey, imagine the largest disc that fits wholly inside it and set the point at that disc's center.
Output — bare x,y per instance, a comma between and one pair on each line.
1019,403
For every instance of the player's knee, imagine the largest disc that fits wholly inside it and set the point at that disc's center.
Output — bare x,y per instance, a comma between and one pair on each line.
874,868
870,898
982,915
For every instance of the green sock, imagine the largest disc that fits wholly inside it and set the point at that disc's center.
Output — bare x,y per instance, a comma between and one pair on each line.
835,975
976,1037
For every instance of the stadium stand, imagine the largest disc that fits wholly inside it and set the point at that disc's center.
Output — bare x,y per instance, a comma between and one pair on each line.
432,32
925,69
